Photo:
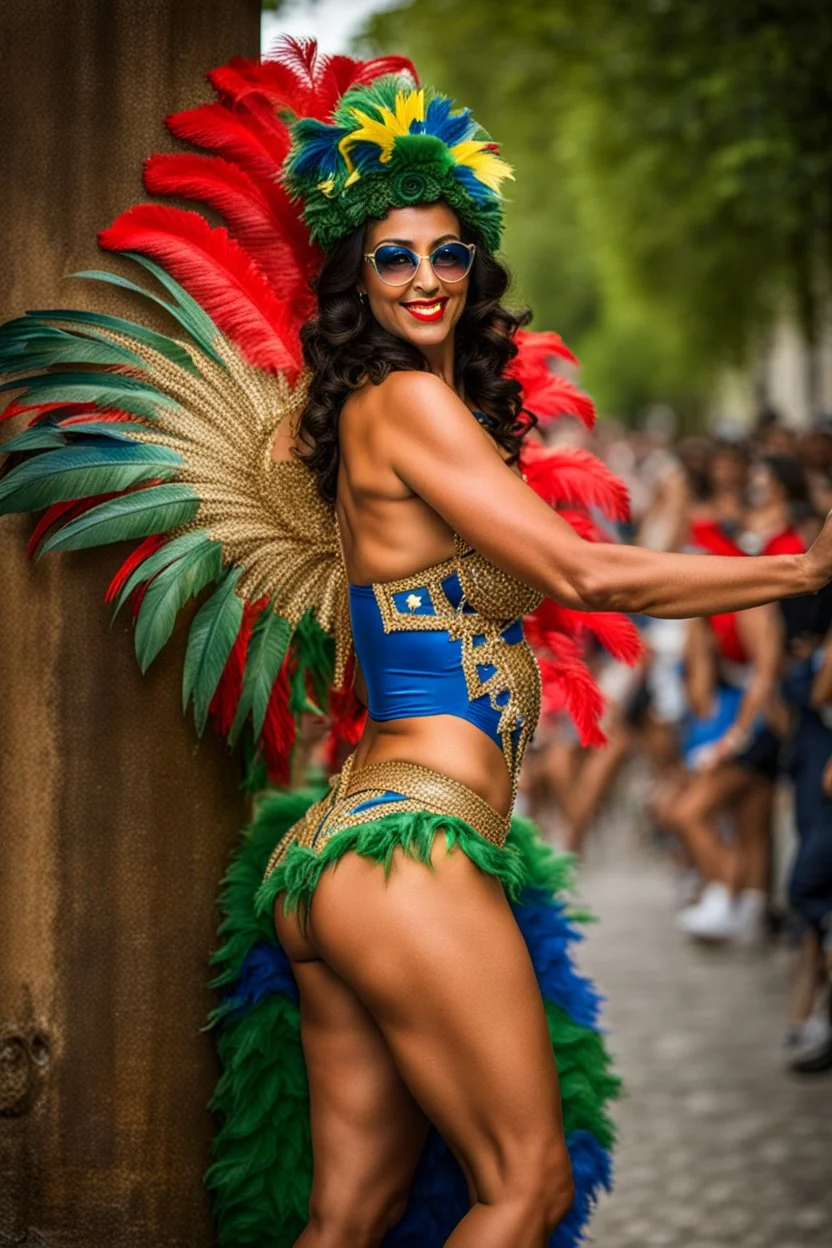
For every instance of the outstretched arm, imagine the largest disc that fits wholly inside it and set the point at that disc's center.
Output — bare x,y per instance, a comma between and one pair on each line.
448,460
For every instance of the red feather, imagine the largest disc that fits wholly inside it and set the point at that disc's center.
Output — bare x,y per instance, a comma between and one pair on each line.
18,406
279,728
316,82
226,697
535,349
216,271
572,475
257,146
259,215
552,396
67,511
109,415
616,633
545,392
148,546
569,685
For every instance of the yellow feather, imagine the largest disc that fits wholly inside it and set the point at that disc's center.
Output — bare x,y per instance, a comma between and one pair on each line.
410,106
490,168
384,129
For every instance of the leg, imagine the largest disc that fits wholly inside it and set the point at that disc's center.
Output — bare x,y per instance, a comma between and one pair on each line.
754,816
367,1130
438,959
692,819
593,783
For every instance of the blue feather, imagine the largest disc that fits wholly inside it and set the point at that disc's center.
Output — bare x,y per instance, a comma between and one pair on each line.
366,157
317,154
265,970
450,129
476,189
548,933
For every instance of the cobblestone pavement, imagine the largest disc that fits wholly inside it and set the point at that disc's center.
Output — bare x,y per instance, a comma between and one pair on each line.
718,1145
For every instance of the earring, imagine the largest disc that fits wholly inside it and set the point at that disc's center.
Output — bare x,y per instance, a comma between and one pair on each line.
362,295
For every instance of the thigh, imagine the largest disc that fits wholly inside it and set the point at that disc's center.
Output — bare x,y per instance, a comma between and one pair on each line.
367,1129
709,791
438,958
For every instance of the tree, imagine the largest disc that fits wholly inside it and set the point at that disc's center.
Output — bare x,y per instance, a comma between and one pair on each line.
674,162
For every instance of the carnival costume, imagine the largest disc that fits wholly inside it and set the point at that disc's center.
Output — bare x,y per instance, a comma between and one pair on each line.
140,435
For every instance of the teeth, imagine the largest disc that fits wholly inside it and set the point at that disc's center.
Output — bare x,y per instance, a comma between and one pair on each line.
428,310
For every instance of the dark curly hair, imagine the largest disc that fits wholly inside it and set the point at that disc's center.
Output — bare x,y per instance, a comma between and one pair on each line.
344,347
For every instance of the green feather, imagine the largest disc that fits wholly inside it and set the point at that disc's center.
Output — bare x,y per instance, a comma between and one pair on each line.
203,329
104,389
186,310
138,514
153,564
213,632
168,347
119,430
70,349
266,652
39,437
169,590
83,470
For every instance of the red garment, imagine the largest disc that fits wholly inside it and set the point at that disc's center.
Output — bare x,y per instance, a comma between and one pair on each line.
709,537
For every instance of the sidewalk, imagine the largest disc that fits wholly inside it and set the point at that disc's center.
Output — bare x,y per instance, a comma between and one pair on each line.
718,1144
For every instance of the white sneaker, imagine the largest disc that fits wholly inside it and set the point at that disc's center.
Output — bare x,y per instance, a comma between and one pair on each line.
712,918
807,1039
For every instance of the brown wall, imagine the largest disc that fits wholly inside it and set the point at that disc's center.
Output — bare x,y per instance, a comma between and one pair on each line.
115,823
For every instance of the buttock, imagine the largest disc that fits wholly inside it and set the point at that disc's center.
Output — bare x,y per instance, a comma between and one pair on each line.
394,787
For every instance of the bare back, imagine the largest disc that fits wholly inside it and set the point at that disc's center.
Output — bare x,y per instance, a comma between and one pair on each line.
389,532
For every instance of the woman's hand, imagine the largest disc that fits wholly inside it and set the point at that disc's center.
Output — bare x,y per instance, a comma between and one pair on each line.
818,557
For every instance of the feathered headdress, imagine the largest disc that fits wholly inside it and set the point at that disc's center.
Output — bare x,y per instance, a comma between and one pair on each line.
392,144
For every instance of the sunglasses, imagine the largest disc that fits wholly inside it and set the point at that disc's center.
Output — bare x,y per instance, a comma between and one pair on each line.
396,265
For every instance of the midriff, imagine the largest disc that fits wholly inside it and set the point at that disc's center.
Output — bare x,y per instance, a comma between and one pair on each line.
445,743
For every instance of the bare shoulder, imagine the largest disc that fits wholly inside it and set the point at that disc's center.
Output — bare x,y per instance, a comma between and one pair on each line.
409,391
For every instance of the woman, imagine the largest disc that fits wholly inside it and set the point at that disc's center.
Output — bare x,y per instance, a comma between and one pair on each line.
422,998
412,473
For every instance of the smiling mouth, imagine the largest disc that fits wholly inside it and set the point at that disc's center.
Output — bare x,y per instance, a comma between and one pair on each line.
424,311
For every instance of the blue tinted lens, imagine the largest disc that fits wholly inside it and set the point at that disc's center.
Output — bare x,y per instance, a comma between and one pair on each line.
395,264
451,261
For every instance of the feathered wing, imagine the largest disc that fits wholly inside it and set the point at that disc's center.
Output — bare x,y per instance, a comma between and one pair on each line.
583,491
140,435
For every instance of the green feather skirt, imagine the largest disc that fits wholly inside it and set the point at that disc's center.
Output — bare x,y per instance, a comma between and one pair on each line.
262,1169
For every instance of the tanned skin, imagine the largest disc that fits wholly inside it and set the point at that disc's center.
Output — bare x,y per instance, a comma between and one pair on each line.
418,997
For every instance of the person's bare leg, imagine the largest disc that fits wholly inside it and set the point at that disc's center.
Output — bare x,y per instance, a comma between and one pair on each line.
367,1130
754,815
692,820
438,959
594,779
559,767
807,978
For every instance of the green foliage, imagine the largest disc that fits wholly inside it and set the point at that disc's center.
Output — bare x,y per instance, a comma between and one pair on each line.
674,169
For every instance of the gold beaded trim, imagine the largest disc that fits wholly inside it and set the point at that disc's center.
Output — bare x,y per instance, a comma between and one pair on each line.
424,790
516,670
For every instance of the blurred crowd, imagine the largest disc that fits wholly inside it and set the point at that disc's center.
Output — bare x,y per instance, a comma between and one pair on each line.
728,719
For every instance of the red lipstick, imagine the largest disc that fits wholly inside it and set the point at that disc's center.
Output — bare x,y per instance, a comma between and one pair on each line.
427,310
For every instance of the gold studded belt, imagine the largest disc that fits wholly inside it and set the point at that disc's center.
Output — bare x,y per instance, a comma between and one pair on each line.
422,789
